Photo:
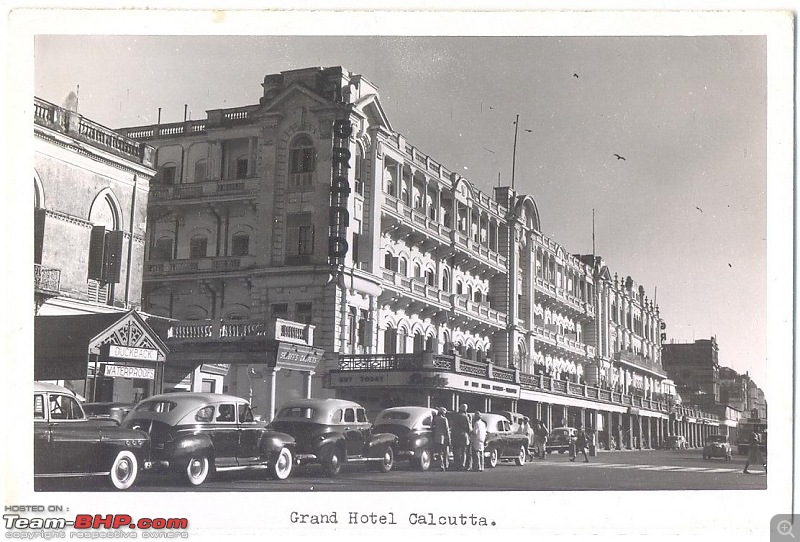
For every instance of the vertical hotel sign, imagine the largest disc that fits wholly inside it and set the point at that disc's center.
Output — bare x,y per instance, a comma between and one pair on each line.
340,192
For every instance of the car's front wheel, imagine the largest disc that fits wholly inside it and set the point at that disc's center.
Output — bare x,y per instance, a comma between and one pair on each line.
423,462
281,468
522,456
124,470
494,457
387,460
197,469
333,463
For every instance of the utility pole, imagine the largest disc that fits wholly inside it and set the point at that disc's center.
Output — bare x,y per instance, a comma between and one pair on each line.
514,155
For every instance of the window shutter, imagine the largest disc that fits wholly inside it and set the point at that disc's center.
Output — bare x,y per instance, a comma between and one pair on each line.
112,257
292,241
97,243
38,234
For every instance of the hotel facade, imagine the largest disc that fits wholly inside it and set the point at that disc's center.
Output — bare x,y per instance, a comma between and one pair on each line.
401,281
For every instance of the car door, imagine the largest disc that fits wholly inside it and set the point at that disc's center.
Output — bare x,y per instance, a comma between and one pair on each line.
249,433
504,429
42,453
224,434
74,443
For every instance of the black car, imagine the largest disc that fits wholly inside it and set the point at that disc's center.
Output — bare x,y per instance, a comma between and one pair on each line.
503,444
332,432
67,444
412,425
195,434
560,439
108,411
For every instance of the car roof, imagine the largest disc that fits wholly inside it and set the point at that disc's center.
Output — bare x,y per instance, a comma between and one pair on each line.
187,404
49,387
318,403
492,416
197,397
415,412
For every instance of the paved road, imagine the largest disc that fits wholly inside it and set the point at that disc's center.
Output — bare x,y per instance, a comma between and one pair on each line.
635,470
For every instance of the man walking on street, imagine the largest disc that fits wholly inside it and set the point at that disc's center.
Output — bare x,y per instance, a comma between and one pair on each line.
461,429
581,442
541,439
478,440
441,438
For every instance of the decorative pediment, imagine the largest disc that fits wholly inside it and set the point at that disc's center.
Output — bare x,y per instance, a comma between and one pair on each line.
132,331
370,106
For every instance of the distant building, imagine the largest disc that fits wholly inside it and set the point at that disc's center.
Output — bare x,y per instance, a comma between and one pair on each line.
91,187
695,369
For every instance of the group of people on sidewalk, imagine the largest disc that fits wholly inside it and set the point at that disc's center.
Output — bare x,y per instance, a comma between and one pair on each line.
467,437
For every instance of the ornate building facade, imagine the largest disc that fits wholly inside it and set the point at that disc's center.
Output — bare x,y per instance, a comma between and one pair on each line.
421,289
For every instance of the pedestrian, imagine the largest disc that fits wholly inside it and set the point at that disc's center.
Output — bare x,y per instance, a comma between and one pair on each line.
478,441
460,431
581,443
525,429
441,438
541,439
754,454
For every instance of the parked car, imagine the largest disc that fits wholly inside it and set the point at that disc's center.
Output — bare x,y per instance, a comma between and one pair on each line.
676,442
195,434
717,446
412,425
560,439
332,432
503,444
514,417
108,411
68,444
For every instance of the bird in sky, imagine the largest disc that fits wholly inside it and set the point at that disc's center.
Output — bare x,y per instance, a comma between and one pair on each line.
729,265
575,75
619,157
698,208
528,130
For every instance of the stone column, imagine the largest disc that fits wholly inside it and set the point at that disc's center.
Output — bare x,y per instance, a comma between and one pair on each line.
639,443
609,428
307,384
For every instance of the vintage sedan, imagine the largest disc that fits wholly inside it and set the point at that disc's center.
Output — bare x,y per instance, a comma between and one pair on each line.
195,434
503,444
332,432
412,425
560,439
108,411
68,444
717,446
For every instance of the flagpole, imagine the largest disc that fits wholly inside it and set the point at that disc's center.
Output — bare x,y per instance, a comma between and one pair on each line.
514,156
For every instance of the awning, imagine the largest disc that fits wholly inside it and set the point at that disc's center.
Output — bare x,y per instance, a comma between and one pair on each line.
63,344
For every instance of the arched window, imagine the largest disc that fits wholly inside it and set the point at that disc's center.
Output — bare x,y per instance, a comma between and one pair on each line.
478,296
417,270
446,281
359,170
240,244
162,250
198,247
419,341
201,171
430,277
403,267
105,211
459,287
168,173
301,163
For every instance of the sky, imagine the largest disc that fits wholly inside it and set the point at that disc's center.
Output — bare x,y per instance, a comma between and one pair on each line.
684,214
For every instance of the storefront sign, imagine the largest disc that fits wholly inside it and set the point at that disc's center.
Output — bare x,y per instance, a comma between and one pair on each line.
131,352
427,381
340,192
123,371
294,355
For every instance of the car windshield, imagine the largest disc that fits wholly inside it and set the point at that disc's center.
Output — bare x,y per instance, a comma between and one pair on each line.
717,438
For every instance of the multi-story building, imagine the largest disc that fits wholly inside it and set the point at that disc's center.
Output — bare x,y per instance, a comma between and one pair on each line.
421,288
695,369
91,186
733,389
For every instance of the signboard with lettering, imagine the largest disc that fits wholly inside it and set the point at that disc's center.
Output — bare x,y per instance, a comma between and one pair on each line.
132,352
296,356
339,218
124,371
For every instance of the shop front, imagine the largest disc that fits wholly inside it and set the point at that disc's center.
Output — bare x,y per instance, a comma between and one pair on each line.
109,357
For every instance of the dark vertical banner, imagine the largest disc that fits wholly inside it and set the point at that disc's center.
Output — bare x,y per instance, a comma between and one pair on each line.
340,192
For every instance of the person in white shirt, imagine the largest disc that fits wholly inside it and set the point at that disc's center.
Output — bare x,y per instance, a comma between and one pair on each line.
478,441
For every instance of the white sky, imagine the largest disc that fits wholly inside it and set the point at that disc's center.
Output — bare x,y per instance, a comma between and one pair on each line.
687,113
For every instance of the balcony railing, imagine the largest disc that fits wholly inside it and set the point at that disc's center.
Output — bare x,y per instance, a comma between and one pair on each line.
75,125
456,364
638,361
218,264
236,330
44,279
216,188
